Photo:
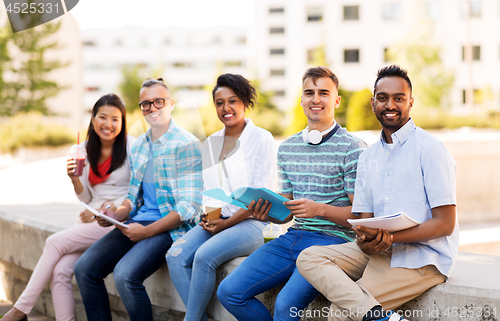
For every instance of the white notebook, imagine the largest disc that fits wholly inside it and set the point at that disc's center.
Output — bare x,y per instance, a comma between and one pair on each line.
107,218
391,223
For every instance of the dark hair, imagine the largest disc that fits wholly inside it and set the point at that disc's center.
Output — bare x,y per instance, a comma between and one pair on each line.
94,142
320,72
392,71
150,82
241,87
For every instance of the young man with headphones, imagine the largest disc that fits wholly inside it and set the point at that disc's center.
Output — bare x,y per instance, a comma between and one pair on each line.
317,172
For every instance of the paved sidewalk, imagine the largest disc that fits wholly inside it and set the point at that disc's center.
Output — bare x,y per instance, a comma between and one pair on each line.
40,191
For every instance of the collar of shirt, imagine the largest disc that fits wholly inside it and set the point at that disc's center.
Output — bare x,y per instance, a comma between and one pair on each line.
245,135
165,137
402,134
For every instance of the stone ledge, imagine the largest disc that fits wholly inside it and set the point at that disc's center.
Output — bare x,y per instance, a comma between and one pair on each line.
472,292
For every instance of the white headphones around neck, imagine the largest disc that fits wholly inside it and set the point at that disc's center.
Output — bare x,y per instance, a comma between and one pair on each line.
315,136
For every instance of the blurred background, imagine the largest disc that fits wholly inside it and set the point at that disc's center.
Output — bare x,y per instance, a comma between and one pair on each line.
451,49
51,75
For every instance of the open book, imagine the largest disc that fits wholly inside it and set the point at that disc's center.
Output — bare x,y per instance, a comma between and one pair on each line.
107,218
244,195
391,223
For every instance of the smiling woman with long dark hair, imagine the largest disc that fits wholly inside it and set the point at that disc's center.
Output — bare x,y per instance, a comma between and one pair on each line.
104,183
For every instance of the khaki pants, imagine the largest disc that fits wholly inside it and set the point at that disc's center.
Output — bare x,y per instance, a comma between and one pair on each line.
355,282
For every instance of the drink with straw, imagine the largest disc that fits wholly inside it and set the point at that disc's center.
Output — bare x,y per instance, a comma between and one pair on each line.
271,231
78,153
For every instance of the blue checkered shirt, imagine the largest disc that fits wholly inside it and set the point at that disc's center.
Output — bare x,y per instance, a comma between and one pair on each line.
177,172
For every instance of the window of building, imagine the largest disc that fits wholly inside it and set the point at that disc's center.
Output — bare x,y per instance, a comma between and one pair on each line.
351,12
476,53
241,39
433,10
233,63
276,30
277,51
391,11
92,89
476,96
386,55
310,56
276,10
194,87
89,43
277,72
314,14
180,64
351,55
476,9
279,93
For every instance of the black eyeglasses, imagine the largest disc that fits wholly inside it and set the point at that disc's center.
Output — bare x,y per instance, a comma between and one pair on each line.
158,103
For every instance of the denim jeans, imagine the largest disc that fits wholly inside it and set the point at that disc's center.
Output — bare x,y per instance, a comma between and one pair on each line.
193,260
131,263
269,266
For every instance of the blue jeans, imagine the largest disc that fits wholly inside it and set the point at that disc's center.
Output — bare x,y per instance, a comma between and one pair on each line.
131,263
269,266
193,260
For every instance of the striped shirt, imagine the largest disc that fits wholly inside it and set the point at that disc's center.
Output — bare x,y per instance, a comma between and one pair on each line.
324,173
177,175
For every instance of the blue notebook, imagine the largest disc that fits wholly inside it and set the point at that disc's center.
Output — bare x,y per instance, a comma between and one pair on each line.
243,196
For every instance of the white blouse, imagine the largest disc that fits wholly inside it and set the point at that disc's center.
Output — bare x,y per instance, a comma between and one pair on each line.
251,164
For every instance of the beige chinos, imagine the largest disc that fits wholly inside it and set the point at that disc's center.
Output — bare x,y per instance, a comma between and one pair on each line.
355,282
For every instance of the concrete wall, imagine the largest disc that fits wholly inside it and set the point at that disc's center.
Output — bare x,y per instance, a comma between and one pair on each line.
478,179
21,244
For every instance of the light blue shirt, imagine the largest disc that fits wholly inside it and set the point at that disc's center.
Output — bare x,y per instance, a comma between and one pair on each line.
149,211
416,176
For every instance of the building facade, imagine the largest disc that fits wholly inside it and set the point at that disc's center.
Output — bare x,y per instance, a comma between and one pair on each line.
284,38
355,35
189,60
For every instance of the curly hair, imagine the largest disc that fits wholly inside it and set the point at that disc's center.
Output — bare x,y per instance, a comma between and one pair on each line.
241,87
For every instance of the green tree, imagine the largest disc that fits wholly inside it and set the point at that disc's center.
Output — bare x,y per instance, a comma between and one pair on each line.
130,86
359,112
432,82
264,98
31,82
6,95
299,119
341,111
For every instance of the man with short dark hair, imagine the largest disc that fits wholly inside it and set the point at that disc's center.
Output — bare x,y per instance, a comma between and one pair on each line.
408,171
316,171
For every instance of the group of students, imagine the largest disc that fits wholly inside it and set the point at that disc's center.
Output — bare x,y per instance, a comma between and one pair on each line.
154,185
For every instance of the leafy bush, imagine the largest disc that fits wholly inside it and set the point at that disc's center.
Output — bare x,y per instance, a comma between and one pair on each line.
30,129
441,119
359,112
269,119
299,120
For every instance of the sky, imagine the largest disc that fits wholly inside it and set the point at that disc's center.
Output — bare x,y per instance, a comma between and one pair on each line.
92,14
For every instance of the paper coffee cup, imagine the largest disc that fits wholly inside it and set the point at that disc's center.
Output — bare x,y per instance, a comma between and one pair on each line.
213,213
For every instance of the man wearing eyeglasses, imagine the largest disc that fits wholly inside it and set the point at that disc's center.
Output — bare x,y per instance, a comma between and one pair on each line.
163,200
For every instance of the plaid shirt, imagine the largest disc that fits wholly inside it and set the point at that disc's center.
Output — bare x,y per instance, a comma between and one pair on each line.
177,172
